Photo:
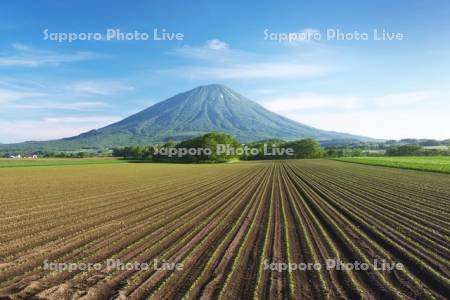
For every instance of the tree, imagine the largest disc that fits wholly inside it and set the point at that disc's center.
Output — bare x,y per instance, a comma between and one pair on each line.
307,148
331,152
208,141
147,152
81,154
356,152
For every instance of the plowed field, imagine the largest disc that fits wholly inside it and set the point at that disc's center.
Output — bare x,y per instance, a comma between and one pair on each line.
232,229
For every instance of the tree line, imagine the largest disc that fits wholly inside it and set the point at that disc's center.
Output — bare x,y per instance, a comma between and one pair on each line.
306,148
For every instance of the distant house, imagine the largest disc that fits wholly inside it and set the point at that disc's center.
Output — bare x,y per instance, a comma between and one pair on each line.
34,156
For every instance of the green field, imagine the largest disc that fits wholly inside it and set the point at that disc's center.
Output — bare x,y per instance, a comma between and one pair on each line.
423,163
43,162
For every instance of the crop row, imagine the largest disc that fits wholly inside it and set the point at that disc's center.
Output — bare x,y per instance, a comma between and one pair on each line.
223,224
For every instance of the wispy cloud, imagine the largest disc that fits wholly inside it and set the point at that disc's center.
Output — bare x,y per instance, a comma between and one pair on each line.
213,50
78,95
51,128
100,88
308,101
405,99
38,104
13,99
82,119
288,103
418,114
217,60
265,91
46,110
26,56
216,45
384,124
258,70
8,96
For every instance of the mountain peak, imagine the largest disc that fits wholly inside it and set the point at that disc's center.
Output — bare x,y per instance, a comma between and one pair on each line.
213,89
215,92
206,108
212,86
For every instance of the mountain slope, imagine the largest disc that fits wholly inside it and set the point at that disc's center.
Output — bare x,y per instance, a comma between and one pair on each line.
203,109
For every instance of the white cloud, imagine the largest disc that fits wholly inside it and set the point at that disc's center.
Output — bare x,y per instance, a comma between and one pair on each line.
417,114
96,87
26,100
216,45
50,128
59,105
256,71
302,101
81,119
12,99
265,91
216,60
411,98
25,56
381,124
213,50
79,95
402,101
8,96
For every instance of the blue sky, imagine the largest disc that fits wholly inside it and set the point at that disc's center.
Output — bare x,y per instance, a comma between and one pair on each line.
383,89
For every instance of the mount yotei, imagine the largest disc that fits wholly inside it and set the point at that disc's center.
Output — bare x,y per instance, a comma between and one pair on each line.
203,109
